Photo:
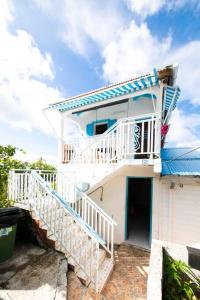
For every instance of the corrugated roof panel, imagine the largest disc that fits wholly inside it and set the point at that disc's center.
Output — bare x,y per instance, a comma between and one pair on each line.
180,161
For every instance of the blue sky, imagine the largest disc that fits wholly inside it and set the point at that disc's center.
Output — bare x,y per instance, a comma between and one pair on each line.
55,49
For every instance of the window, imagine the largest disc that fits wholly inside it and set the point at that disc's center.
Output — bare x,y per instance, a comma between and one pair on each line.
101,128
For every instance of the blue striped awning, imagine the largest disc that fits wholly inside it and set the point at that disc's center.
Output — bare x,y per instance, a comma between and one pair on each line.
106,93
171,95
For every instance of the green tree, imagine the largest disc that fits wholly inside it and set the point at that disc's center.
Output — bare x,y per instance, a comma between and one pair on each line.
8,162
40,164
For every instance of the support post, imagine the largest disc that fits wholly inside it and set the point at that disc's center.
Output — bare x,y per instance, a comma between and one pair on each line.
60,141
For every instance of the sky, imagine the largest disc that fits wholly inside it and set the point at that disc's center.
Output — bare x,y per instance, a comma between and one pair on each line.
51,50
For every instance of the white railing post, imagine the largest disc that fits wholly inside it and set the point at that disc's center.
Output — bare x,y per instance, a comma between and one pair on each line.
97,267
11,186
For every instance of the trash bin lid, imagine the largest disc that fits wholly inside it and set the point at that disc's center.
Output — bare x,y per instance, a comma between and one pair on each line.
10,211
9,216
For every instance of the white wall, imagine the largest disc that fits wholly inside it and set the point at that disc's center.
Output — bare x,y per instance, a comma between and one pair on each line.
180,210
114,203
131,108
175,212
114,196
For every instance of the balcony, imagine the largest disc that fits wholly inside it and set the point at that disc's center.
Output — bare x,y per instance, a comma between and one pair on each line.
130,139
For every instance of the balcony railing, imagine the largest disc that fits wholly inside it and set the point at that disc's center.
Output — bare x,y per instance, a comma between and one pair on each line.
129,138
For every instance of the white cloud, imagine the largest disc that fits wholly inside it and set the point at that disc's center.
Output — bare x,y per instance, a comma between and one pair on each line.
136,51
24,75
188,58
133,53
32,157
6,11
145,8
85,24
183,131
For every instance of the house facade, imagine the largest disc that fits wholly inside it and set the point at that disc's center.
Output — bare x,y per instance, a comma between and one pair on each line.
115,181
121,130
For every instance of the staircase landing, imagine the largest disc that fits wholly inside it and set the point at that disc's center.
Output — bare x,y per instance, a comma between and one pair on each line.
127,282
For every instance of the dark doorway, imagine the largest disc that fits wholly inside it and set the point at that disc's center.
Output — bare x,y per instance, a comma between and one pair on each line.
139,212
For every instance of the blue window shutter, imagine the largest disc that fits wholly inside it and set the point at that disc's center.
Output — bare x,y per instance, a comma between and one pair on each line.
111,122
90,129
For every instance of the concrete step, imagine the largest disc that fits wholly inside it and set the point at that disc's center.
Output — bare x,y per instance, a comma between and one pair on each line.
73,228
77,240
79,250
73,265
104,273
85,280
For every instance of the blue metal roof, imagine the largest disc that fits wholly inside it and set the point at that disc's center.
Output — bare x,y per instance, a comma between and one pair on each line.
180,161
106,93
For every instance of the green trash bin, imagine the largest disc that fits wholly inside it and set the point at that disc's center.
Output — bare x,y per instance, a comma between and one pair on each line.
7,242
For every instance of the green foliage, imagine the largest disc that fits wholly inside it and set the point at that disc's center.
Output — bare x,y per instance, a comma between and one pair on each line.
7,163
41,165
180,282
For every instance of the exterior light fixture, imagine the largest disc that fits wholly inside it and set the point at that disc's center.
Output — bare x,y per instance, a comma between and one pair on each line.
172,185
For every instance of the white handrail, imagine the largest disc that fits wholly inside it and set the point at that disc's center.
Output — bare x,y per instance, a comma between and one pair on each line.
124,140
65,204
97,219
71,154
51,208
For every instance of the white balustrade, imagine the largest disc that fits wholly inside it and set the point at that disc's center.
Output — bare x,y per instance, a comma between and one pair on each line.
130,138
19,184
35,189
98,221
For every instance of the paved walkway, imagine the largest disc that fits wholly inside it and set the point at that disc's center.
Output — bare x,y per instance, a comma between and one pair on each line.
127,282
33,273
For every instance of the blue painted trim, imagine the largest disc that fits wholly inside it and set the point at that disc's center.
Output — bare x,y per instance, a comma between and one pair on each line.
155,75
148,96
151,213
151,207
90,126
126,212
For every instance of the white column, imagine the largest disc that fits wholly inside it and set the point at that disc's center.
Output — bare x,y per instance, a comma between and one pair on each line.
170,215
61,140
159,96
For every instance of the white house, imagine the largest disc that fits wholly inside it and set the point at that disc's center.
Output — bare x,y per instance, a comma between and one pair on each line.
115,182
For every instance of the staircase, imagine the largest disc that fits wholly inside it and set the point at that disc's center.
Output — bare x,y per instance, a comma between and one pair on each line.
85,234
77,225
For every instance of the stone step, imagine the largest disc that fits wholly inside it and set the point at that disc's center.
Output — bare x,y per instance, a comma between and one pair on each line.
67,220
84,278
73,228
76,241
80,250
73,265
104,273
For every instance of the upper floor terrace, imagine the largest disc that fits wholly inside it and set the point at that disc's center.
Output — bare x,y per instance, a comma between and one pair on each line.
128,120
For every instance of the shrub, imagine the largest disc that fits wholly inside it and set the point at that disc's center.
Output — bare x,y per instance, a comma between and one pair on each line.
179,281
